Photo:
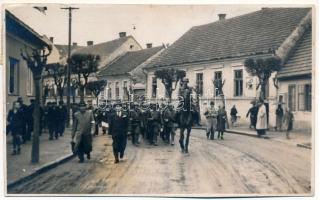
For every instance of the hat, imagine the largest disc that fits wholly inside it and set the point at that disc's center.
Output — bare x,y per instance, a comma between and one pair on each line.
20,99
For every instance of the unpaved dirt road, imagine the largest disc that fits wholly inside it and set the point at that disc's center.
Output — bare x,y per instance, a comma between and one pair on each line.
236,165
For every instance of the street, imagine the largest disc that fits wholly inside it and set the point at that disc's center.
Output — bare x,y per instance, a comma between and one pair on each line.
237,165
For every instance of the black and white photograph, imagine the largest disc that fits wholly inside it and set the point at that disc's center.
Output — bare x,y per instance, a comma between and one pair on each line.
158,100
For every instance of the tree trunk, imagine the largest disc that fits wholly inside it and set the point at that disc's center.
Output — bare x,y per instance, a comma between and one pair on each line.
263,90
97,101
36,123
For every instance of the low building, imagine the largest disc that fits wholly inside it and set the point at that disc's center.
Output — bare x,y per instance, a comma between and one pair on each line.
219,49
19,79
125,76
295,81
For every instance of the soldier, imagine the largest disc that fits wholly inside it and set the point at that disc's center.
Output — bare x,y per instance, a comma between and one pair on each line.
154,121
221,122
135,123
145,114
118,129
23,111
61,118
211,117
97,118
168,117
82,132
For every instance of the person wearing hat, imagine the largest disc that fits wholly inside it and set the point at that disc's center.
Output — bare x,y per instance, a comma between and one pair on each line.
279,117
83,130
23,112
52,121
155,124
118,128
261,125
15,126
168,118
252,112
29,119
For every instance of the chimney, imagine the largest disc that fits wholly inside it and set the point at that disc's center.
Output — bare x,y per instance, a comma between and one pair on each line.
75,44
52,39
122,34
149,45
222,17
89,43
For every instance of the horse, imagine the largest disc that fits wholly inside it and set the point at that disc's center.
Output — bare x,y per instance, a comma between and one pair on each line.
185,122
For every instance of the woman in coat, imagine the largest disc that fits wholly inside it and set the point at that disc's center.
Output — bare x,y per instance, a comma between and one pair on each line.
261,124
221,121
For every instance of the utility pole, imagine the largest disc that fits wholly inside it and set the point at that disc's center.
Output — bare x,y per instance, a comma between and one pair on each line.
70,9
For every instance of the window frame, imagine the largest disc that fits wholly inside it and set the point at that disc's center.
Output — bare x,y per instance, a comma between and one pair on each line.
16,75
200,83
240,93
154,89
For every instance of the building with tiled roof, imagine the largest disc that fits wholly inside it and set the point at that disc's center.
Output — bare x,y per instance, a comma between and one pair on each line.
219,49
19,79
124,74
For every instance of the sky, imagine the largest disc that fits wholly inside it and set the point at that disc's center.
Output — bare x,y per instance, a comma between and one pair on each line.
155,24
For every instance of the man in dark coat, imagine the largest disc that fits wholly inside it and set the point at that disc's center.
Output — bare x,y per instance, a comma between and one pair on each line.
52,121
29,119
252,112
221,122
15,122
83,130
118,129
62,114
154,121
23,111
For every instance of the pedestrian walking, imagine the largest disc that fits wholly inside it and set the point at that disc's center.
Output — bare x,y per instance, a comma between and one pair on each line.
83,130
221,122
15,126
135,123
29,119
211,120
23,111
119,130
233,115
279,117
62,114
288,120
252,113
52,121
261,125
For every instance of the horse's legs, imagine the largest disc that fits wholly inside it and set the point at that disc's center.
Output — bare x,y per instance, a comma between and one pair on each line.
181,139
187,138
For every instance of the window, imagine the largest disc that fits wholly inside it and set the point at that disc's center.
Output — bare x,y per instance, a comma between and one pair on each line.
199,83
13,76
125,91
218,76
304,97
109,92
117,90
154,87
30,83
238,83
292,97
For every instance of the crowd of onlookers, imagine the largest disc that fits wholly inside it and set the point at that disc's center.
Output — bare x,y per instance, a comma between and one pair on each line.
53,118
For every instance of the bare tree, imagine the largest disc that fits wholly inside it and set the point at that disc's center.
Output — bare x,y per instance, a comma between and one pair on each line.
36,61
263,68
169,77
83,65
96,87
58,73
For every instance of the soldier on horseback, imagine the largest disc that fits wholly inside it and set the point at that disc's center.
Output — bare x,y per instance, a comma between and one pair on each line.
186,111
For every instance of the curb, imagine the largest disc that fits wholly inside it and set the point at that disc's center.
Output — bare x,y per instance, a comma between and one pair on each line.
304,146
40,170
231,131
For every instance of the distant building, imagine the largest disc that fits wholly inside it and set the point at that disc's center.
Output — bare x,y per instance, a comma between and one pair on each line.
125,74
19,79
219,49
107,51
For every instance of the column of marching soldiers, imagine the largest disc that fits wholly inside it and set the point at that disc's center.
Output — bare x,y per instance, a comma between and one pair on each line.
146,120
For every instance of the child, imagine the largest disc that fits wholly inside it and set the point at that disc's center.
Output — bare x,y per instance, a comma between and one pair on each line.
289,118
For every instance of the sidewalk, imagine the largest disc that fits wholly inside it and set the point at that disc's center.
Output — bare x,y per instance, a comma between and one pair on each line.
300,138
51,151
